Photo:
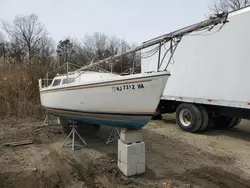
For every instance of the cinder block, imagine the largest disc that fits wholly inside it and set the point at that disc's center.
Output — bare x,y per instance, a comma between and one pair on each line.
129,149
130,136
126,154
141,158
139,148
120,145
131,158
119,155
128,159
127,170
140,168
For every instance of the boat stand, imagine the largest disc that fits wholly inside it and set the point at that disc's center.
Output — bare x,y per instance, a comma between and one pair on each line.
47,119
112,134
73,132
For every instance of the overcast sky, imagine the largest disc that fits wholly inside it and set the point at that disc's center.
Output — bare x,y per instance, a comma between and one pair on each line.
132,20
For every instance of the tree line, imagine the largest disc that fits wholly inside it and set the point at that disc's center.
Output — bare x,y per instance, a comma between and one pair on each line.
26,42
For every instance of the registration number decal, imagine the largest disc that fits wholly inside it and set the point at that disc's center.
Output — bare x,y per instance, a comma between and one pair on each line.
128,87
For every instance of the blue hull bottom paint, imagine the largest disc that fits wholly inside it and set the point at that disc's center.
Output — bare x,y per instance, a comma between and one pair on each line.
129,121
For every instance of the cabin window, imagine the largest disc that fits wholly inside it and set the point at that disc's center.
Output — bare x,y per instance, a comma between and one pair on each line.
56,82
69,80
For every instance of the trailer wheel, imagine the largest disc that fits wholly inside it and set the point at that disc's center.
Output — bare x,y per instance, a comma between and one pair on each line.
189,117
236,121
224,122
205,118
157,115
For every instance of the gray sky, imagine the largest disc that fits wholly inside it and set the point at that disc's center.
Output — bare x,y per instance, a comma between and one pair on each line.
132,20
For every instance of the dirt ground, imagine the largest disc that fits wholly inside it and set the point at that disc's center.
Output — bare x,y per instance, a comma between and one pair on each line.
215,158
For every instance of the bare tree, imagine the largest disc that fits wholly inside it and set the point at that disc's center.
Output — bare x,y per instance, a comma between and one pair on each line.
1,38
2,45
45,49
227,5
81,54
64,50
100,46
26,32
95,45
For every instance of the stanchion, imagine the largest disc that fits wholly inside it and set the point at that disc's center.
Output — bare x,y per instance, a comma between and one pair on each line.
112,134
74,133
47,119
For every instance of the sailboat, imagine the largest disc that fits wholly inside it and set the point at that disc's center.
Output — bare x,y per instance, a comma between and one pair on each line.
105,98
111,99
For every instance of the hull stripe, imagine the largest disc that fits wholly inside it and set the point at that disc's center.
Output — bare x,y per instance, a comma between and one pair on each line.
123,123
99,114
121,120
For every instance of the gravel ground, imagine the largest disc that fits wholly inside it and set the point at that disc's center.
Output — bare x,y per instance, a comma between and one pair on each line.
215,158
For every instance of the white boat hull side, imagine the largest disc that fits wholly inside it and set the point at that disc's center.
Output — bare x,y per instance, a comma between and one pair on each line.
126,102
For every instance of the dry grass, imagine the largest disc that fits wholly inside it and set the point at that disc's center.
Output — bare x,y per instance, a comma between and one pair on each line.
19,94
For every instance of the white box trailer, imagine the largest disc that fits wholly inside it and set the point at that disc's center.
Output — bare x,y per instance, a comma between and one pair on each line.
210,75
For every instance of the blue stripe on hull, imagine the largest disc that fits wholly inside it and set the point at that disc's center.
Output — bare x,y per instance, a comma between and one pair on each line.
130,123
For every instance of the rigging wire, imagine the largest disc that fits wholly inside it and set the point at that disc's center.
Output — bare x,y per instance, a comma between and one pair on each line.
202,33
150,52
171,49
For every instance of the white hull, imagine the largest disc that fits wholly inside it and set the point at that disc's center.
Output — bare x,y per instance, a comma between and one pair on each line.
128,101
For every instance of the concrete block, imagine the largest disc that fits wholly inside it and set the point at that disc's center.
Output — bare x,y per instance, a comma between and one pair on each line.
128,159
120,145
119,155
139,148
140,168
127,170
128,149
130,136
126,155
141,158
131,158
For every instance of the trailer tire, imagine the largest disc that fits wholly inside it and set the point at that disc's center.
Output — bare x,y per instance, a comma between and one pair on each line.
157,115
195,114
205,118
235,122
224,122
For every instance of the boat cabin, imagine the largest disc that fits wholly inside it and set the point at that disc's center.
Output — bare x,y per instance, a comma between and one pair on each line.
77,77
62,80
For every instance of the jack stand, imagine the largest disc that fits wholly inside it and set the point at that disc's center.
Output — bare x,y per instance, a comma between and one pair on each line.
73,132
113,132
47,120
